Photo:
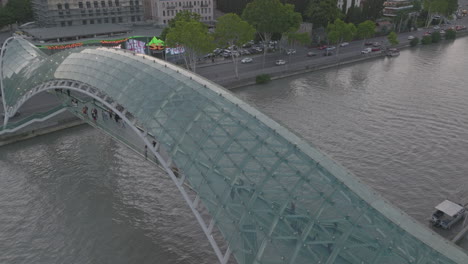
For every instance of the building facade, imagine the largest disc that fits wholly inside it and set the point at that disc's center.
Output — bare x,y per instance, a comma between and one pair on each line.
63,13
391,8
161,11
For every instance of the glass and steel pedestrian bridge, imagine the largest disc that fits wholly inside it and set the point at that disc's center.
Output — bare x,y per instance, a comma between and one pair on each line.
272,196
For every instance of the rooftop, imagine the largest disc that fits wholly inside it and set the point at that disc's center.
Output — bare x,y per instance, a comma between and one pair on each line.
74,31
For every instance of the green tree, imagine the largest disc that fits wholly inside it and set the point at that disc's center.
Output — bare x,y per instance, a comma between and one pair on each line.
393,38
322,12
271,16
433,7
436,37
450,34
372,10
6,17
20,10
414,42
182,16
366,30
426,40
194,36
232,30
339,31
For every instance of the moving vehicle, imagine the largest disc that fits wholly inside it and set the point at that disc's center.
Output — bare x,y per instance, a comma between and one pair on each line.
322,47
291,51
246,60
367,43
344,44
410,37
311,54
280,62
376,44
447,214
330,48
366,50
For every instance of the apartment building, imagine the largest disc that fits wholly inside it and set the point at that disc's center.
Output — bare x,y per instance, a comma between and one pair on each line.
391,8
161,11
63,13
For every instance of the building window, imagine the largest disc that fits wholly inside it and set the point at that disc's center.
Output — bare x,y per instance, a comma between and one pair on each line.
103,3
99,21
120,19
131,3
96,4
69,23
104,12
91,21
88,4
110,3
133,18
83,13
60,14
106,20
62,23
138,18
84,22
98,12
80,4
67,6
90,13
164,13
164,21
137,3
59,6
113,20
116,2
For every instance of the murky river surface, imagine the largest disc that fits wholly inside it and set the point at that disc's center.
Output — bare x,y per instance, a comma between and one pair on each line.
400,124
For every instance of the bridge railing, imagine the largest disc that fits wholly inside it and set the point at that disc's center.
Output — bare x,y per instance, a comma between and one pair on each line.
13,126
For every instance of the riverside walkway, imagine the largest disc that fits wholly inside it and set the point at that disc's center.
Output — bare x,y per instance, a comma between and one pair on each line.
272,197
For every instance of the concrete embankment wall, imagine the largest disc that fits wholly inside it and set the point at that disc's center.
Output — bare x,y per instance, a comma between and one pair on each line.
58,123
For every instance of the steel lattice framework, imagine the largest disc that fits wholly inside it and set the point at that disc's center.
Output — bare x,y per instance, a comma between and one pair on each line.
274,198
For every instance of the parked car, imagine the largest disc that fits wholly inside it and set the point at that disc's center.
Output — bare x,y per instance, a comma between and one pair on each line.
344,44
442,32
291,51
427,33
368,43
330,48
375,49
436,27
410,37
376,44
280,62
247,60
322,47
366,50
311,54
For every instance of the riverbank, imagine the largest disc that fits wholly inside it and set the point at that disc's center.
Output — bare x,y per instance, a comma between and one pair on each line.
239,83
68,120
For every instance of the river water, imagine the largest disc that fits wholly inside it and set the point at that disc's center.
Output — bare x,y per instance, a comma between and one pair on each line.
399,124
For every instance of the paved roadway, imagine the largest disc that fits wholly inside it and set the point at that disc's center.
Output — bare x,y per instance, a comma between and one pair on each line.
222,71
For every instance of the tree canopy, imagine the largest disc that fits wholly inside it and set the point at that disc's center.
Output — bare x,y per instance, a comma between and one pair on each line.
322,12
271,16
393,38
181,16
232,30
194,36
16,11
339,31
366,29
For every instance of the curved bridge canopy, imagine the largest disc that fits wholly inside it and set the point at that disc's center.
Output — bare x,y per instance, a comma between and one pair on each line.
274,198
